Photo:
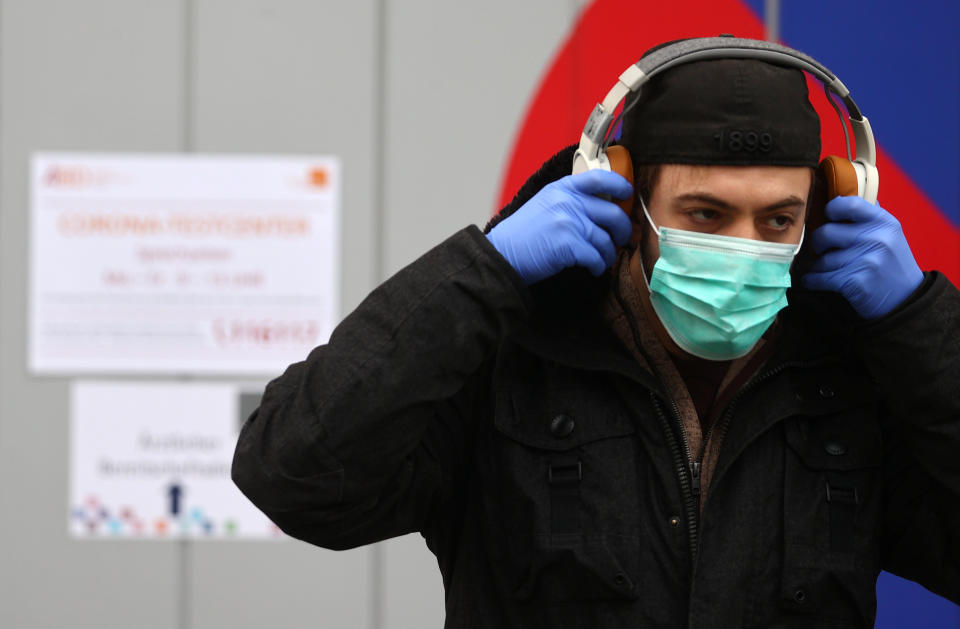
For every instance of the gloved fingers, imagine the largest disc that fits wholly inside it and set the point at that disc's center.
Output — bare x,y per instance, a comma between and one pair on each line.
839,258
601,241
610,217
595,181
585,255
835,236
829,281
852,209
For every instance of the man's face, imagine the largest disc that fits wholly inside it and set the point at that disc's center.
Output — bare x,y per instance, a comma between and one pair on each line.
757,202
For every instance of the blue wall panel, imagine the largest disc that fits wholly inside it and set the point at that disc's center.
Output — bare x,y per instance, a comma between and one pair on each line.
901,61
902,604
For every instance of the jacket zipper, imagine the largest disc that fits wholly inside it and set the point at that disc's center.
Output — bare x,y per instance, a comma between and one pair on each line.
695,479
682,460
724,425
687,467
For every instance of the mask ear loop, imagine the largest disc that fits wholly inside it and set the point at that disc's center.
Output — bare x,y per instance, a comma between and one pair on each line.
803,234
646,213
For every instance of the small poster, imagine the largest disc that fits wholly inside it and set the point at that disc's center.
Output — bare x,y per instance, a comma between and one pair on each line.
181,264
152,461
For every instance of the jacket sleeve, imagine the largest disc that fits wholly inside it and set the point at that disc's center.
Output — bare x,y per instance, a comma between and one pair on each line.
914,357
364,439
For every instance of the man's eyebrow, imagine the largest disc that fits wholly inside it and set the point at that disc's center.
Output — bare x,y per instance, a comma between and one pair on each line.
791,201
705,197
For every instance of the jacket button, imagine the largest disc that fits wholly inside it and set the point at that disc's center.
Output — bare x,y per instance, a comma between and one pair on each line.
835,448
561,426
674,522
826,392
800,597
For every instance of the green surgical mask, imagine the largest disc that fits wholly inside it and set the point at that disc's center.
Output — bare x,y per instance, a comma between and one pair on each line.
717,295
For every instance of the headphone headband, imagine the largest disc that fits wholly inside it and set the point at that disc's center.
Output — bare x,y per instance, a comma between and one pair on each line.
596,130
689,50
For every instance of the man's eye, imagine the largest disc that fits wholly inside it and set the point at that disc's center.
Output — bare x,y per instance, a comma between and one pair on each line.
703,215
781,221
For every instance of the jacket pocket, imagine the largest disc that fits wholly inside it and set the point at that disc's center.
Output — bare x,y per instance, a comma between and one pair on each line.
831,511
566,500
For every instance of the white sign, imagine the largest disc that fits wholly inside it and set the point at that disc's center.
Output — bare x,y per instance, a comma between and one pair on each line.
182,264
152,461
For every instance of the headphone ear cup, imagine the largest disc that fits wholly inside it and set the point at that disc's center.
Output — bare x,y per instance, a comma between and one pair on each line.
840,176
620,163
836,177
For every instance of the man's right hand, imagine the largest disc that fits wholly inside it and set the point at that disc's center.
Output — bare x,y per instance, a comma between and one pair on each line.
565,224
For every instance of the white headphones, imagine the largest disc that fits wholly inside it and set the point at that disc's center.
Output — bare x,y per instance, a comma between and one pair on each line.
592,152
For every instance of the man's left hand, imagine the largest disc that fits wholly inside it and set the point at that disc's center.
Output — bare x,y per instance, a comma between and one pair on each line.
864,256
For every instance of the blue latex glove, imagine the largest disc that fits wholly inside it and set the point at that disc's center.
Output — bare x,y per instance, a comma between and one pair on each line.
864,256
565,225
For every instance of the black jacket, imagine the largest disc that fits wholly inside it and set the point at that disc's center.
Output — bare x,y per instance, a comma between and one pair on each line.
545,469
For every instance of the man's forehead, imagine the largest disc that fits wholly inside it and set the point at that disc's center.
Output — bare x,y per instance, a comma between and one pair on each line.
753,180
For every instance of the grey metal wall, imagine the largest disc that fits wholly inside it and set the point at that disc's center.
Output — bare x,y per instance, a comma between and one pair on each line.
419,99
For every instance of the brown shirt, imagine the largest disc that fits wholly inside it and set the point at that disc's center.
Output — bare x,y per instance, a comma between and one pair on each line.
703,379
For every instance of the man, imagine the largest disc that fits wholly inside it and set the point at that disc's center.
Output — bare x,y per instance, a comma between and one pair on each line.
644,437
